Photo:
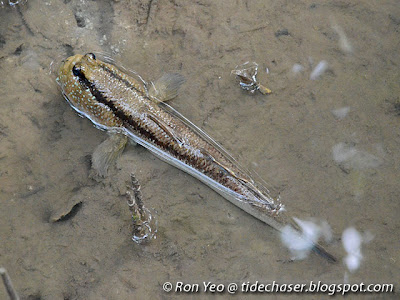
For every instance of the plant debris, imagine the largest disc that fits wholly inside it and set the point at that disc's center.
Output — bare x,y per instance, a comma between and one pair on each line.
144,225
246,74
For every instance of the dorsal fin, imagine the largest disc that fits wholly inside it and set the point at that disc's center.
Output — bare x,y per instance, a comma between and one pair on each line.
166,87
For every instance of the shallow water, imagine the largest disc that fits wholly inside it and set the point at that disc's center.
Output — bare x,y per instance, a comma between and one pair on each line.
343,169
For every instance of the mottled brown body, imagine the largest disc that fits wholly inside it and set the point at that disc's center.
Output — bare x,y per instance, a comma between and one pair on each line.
115,101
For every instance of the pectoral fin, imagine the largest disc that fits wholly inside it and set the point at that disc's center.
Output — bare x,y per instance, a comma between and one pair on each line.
107,152
166,88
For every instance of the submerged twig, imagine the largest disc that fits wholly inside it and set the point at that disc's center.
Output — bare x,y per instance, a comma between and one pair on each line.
12,293
246,73
135,202
142,219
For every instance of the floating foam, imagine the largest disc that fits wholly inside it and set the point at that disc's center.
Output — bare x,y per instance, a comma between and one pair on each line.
319,69
344,43
352,241
341,113
297,245
300,244
297,68
367,237
341,152
326,231
353,261
353,158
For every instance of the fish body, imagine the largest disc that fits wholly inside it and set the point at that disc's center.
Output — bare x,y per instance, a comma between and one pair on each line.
121,103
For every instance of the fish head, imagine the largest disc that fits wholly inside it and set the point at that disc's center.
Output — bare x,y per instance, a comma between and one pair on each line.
76,76
76,67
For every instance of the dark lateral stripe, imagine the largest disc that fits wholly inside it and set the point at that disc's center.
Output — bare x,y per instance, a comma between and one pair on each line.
119,113
214,173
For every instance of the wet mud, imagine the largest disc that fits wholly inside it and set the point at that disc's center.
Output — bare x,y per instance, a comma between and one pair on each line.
67,235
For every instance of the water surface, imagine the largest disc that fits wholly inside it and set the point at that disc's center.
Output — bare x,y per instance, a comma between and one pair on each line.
343,169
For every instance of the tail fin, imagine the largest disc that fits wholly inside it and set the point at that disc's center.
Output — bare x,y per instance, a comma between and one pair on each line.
307,232
324,253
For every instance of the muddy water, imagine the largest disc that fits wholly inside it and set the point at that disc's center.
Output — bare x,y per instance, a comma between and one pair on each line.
343,169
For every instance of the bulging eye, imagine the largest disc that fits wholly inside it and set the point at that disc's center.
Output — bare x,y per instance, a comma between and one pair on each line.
76,71
91,55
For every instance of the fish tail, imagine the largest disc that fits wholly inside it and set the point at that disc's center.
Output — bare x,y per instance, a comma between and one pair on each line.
318,249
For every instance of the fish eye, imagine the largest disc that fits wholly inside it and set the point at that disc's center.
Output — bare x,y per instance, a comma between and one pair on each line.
91,55
76,71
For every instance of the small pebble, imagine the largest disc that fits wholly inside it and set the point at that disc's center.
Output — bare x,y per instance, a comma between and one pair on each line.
282,32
